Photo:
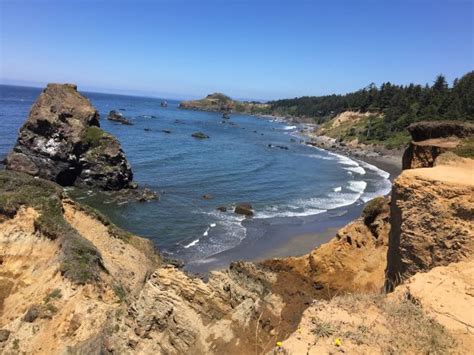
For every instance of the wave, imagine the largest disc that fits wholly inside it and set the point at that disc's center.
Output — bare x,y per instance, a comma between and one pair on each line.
193,243
356,169
357,186
269,213
337,189
289,128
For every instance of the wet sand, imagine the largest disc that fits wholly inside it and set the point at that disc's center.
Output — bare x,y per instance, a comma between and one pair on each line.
291,236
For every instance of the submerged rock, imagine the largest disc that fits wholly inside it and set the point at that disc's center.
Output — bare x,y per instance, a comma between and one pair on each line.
118,117
222,208
199,135
244,209
61,141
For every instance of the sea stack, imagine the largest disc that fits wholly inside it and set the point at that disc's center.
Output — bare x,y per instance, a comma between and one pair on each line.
62,141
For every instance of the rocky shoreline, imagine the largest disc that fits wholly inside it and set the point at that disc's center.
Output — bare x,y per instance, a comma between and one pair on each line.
397,279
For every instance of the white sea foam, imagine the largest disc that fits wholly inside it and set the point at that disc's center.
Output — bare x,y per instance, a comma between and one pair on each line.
356,169
357,186
206,233
212,225
289,128
337,189
373,168
272,213
193,243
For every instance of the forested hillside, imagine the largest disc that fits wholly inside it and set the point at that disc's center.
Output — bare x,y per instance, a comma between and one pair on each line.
394,106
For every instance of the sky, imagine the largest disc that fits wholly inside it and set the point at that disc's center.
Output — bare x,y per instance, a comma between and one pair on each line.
251,49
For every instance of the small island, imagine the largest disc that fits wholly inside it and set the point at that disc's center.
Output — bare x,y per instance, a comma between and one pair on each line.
218,102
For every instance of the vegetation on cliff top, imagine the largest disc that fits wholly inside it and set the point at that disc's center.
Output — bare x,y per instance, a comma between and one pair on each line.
81,261
393,107
220,102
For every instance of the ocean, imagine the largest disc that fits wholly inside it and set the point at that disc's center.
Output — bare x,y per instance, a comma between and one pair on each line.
240,162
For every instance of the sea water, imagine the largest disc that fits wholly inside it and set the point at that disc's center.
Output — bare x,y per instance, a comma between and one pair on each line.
240,162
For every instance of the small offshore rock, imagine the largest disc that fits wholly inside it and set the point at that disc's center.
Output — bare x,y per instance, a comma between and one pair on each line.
166,131
118,117
199,135
244,209
222,208
207,197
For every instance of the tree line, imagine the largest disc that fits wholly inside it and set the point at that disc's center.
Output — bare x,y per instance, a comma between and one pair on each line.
396,105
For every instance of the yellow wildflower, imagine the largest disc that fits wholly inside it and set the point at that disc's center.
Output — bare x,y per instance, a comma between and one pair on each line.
337,342
279,344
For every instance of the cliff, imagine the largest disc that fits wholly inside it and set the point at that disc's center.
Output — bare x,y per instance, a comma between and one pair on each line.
61,141
430,139
222,103
72,282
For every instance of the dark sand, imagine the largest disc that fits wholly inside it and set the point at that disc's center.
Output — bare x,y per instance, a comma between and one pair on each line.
291,236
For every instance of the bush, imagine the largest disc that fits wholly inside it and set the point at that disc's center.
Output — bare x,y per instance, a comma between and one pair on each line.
372,209
466,148
94,135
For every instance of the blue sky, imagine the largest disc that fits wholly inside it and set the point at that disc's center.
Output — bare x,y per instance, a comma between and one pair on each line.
247,49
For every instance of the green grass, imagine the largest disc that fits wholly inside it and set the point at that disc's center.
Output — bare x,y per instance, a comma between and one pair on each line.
53,295
80,260
466,148
322,329
94,135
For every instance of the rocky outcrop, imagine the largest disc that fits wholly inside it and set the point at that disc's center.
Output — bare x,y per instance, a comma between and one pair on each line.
424,130
244,209
430,139
432,219
118,117
219,102
61,141
199,135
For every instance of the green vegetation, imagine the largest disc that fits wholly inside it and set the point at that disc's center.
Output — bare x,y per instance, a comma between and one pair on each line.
55,294
466,148
94,135
394,106
81,261
322,329
120,292
416,332
372,209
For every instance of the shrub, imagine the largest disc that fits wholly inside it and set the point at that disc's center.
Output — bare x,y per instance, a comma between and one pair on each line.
372,209
466,148
94,135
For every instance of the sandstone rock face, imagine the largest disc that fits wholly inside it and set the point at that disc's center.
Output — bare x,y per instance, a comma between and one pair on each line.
61,141
432,220
423,154
430,139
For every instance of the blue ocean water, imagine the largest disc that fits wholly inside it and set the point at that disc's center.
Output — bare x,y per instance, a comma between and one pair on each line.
234,165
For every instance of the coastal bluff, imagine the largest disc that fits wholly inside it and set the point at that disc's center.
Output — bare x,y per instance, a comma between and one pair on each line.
62,141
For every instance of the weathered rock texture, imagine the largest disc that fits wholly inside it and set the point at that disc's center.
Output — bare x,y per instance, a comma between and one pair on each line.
424,130
430,139
135,304
432,219
61,141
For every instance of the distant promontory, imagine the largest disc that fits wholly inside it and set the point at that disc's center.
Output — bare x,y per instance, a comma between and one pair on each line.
219,102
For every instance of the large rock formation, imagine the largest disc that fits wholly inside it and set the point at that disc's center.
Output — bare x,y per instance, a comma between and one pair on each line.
432,219
430,139
61,141
222,103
